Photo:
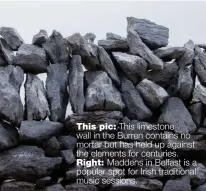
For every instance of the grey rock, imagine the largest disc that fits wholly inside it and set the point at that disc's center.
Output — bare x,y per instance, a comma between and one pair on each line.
153,94
43,182
36,104
57,49
204,123
137,184
68,156
67,142
201,131
201,188
199,93
11,108
40,38
135,106
134,67
3,61
113,45
39,131
197,112
76,84
17,186
185,83
56,86
152,34
165,76
102,95
12,37
107,65
90,37
55,187
112,36
9,136
51,147
26,163
31,59
137,47
189,44
16,76
169,53
182,184
96,117
7,52
82,187
71,174
202,45
89,76
175,113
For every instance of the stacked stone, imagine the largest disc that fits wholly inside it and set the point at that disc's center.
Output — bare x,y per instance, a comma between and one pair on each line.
137,79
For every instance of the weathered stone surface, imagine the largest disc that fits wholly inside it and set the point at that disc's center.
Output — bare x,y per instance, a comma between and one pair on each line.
112,36
51,147
71,174
39,131
82,187
197,112
199,93
182,184
57,49
136,108
7,52
165,76
175,113
107,65
40,38
152,34
169,53
16,76
189,44
11,108
67,142
3,61
185,82
201,188
101,94
76,84
153,95
201,131
55,187
113,45
90,37
26,163
9,136
68,156
56,85
96,117
134,67
43,182
12,37
89,76
137,47
137,184
200,177
31,59
17,186
36,104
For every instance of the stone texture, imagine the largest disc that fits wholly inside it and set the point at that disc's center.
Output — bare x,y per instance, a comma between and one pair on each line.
137,47
12,37
82,187
56,85
31,59
182,184
136,108
112,36
57,49
40,38
43,182
55,187
134,67
76,84
113,45
7,52
68,157
39,131
175,113
36,104
89,76
90,37
201,188
199,93
153,95
3,61
9,136
67,142
101,94
26,163
17,186
152,34
107,65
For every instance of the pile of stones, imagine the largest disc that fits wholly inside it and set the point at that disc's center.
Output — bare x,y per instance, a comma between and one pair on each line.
137,79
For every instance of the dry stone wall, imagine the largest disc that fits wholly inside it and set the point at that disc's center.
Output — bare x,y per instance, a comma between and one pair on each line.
126,82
